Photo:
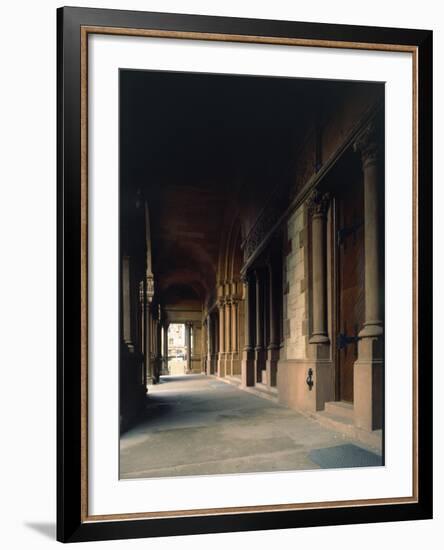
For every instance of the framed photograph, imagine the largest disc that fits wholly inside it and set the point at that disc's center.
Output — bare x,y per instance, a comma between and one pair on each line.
244,284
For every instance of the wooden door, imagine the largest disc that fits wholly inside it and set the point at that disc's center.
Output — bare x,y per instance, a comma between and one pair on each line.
350,282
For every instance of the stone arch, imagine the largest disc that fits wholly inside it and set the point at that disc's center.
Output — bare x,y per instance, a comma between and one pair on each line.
230,253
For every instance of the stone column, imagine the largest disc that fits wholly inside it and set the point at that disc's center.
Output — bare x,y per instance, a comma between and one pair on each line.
126,303
273,346
149,378
208,345
317,375
221,358
142,329
228,350
259,349
369,367
234,307
367,145
216,341
188,345
235,361
196,339
212,344
166,369
158,335
250,313
247,366
205,348
152,348
318,206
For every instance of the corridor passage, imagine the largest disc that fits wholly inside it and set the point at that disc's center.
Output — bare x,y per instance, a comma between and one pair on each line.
197,425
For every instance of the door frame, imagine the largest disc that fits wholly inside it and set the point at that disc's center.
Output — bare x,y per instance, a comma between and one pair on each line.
334,275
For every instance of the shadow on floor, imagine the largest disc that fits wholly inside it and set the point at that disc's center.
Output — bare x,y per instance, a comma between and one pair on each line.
179,377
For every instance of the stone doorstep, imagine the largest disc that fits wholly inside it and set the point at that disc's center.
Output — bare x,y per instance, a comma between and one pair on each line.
345,425
340,409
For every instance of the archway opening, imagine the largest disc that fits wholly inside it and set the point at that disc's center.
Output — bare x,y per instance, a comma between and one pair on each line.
177,349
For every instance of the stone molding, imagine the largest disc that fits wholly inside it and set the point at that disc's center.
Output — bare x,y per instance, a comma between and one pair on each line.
265,223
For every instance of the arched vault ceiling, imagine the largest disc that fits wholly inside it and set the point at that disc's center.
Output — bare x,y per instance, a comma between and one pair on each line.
186,223
197,144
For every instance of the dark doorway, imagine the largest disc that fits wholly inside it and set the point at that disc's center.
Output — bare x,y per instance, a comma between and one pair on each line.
350,279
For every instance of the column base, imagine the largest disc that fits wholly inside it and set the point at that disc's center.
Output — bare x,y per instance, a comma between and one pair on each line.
260,358
293,389
271,366
196,365
235,364
368,382
228,357
213,364
151,377
247,368
157,369
164,370
221,365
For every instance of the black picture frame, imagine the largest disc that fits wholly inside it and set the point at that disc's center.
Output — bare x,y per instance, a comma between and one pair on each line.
72,525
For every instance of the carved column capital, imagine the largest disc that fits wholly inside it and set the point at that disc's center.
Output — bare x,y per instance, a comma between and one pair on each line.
368,144
318,202
149,282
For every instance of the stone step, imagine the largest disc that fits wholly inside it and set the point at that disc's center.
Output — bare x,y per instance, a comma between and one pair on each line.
335,421
346,425
340,409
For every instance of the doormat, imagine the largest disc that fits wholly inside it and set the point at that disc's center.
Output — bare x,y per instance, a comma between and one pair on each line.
344,456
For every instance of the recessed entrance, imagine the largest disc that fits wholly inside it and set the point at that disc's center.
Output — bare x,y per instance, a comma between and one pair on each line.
350,281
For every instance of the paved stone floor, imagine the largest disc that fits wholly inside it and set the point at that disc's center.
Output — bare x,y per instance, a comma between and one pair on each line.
196,425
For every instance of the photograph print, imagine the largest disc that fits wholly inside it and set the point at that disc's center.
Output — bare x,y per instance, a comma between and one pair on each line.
251,227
